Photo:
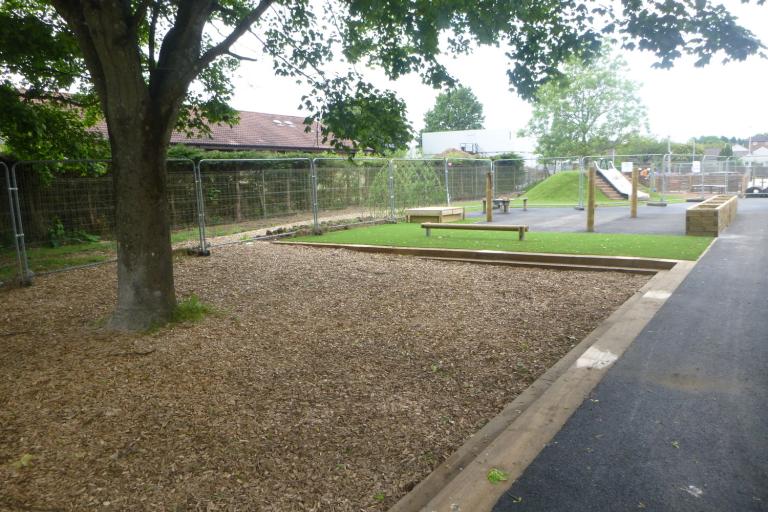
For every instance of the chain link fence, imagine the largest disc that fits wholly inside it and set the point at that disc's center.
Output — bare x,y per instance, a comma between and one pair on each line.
60,214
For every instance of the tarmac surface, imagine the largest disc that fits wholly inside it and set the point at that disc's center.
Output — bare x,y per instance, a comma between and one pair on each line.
656,220
680,422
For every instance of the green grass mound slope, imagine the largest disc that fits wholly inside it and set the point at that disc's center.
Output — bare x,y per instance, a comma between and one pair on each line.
561,188
599,244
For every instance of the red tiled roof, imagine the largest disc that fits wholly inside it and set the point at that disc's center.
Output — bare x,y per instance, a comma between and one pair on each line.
259,131
255,131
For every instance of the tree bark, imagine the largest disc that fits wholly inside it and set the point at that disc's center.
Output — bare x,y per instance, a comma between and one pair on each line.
145,287
140,112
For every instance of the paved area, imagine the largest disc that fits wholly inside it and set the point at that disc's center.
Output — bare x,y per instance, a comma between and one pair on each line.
658,220
680,423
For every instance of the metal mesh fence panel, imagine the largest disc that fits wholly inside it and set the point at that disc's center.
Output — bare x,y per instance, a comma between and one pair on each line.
182,204
352,190
756,177
249,194
466,178
67,210
539,169
509,177
418,183
6,230
686,174
65,201
649,168
13,256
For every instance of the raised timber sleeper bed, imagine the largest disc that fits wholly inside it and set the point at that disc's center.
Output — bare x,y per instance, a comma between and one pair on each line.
710,217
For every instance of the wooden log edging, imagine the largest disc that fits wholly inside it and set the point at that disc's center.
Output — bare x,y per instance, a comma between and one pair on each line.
560,261
711,217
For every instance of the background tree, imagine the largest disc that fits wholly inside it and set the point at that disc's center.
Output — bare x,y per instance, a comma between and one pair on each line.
641,145
591,109
456,109
141,57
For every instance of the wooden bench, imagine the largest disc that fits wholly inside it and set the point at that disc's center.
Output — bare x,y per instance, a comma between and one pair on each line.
499,203
520,228
713,189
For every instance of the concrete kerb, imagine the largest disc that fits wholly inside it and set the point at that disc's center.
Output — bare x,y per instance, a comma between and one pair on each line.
513,439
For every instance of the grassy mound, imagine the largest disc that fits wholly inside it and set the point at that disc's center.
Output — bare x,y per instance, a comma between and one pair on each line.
561,188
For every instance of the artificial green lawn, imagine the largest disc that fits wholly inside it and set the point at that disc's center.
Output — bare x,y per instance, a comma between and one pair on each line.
602,244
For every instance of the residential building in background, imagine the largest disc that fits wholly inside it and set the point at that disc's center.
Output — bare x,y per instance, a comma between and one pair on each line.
255,131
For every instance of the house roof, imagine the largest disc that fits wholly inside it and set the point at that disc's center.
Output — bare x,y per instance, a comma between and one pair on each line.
255,130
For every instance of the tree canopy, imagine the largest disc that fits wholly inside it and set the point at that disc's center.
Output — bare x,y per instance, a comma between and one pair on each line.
149,66
590,109
456,109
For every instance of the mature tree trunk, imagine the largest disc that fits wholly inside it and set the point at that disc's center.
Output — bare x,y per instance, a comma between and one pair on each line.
141,101
145,290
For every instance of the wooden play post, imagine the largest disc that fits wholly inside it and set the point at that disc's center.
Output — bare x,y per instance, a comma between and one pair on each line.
591,199
633,199
489,197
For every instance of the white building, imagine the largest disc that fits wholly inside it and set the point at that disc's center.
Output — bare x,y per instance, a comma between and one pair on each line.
758,156
480,142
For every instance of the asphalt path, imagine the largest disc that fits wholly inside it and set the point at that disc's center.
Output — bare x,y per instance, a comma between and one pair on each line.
680,423
657,220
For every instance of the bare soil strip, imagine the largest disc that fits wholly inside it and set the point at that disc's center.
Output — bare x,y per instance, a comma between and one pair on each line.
328,379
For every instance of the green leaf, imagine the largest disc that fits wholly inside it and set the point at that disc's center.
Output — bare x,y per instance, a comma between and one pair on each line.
496,476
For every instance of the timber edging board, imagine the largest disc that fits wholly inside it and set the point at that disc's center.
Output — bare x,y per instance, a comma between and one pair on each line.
711,217
558,260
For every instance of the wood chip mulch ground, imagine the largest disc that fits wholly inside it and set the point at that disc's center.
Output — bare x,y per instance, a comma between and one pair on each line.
327,380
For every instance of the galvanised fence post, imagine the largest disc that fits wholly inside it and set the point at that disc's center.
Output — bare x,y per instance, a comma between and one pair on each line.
447,188
391,190
200,207
313,196
582,162
25,275
665,170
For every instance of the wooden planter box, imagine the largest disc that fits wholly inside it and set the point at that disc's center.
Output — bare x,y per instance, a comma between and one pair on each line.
710,217
434,214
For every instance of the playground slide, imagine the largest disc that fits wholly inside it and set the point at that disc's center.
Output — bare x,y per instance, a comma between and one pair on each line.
618,181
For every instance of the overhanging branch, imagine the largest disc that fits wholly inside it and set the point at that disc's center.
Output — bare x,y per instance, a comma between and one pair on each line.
223,47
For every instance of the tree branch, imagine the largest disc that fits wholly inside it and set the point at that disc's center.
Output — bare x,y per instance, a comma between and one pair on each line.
151,40
289,63
139,13
223,47
72,12
241,57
